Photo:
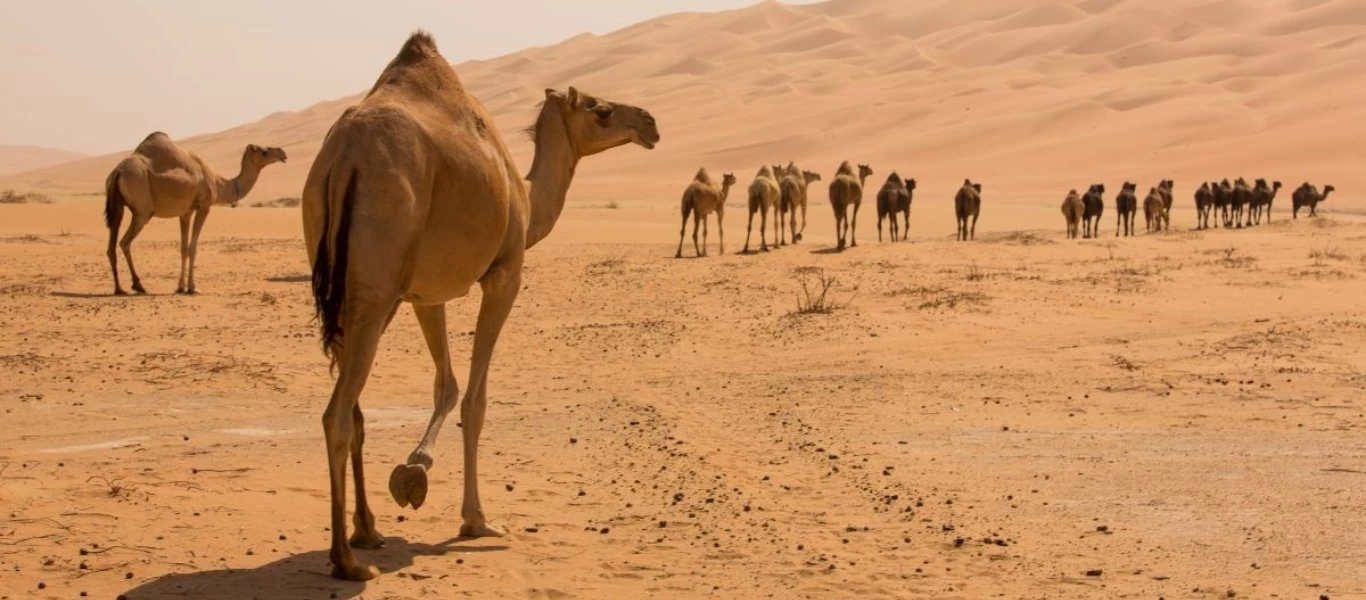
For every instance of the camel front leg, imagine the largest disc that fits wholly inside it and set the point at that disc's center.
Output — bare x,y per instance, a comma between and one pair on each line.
721,231
797,235
853,227
184,251
696,223
792,223
705,233
972,233
763,229
682,231
500,292
134,228
408,482
749,231
200,216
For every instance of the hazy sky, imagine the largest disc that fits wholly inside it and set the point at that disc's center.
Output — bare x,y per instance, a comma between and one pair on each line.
97,76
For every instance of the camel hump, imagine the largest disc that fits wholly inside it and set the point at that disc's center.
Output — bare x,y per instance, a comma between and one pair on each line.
702,175
419,47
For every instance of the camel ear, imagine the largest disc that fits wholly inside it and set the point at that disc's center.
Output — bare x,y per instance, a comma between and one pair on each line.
573,96
253,148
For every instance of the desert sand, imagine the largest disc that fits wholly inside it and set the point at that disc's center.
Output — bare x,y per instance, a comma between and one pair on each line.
1173,415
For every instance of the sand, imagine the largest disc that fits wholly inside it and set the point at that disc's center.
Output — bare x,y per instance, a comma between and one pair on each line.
1172,415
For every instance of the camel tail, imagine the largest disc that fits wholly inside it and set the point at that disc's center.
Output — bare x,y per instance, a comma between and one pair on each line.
113,202
329,268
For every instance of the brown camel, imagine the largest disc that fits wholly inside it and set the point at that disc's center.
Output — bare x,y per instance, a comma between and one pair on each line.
1263,195
414,198
1223,198
1204,205
1072,210
905,209
702,198
967,203
793,187
1155,210
1094,202
1241,203
890,198
1126,207
160,179
846,190
1164,188
1308,196
763,197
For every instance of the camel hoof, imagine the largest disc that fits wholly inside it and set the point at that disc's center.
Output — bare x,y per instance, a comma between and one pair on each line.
408,485
137,287
120,292
679,255
191,292
354,572
368,540
481,530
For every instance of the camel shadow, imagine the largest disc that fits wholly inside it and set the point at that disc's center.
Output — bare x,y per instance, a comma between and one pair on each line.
299,576
297,278
831,250
98,295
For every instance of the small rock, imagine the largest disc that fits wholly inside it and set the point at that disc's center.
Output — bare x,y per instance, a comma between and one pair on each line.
604,530
1094,573
532,530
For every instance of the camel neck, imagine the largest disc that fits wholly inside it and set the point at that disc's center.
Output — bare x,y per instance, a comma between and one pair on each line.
552,170
232,191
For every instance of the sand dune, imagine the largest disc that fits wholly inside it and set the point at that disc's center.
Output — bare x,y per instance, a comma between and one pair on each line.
17,159
1029,97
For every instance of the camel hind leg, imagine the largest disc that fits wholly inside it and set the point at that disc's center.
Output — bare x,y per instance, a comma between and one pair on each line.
683,229
134,228
115,221
853,227
749,230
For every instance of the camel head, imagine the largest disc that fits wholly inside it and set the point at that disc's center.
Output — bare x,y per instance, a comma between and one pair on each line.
1276,186
864,171
1128,186
910,184
1326,190
778,170
978,187
727,179
261,156
596,125
1098,188
810,176
895,179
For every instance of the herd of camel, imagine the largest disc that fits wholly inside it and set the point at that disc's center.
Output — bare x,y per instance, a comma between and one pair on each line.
414,198
782,192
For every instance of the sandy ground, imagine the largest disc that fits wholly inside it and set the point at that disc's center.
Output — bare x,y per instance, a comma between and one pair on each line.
1179,415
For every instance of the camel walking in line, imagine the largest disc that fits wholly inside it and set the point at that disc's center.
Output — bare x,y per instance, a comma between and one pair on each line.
763,197
702,198
414,198
160,179
846,191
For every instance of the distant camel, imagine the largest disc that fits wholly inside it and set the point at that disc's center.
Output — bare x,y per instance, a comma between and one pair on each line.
1204,205
846,190
1094,202
1223,199
967,203
889,200
1308,196
415,198
1240,202
1155,211
1126,208
792,194
763,197
1263,196
1164,188
160,179
702,198
905,209
1072,210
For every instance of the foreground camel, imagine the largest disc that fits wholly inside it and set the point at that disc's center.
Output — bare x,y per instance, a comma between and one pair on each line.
1072,211
893,195
1223,197
1094,202
1204,205
846,190
792,193
1263,195
702,198
160,179
1240,202
1126,207
763,197
967,203
414,198
1308,196
1155,211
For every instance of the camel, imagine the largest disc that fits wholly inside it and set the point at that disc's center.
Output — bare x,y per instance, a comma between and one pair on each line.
967,203
1126,207
1164,188
700,199
414,198
1240,202
890,198
846,190
1094,202
1308,196
905,209
160,179
1223,197
1072,211
763,197
1155,211
1204,204
792,194
1263,195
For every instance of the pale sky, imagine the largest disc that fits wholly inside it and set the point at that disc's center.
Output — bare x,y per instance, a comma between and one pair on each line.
97,76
